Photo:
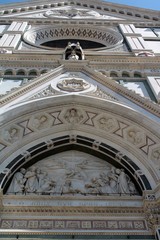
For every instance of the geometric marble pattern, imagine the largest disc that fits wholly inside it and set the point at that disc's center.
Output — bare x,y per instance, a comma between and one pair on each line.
71,225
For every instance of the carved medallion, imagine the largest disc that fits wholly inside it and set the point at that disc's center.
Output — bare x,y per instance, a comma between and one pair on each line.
73,85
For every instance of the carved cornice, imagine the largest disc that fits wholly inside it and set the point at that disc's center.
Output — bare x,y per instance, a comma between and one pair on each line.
111,8
73,211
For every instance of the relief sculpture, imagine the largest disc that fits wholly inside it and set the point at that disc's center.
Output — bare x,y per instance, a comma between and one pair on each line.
71,173
73,116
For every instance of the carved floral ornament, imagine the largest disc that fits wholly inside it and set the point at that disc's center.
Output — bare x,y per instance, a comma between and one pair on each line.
105,123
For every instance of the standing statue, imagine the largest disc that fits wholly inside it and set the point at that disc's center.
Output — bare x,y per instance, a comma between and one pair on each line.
17,184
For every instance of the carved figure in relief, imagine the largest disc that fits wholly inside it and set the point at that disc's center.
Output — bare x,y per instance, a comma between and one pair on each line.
73,116
40,177
32,181
40,122
106,124
123,179
93,187
113,180
43,181
48,186
67,187
131,187
11,135
156,154
45,184
105,187
76,176
135,137
17,184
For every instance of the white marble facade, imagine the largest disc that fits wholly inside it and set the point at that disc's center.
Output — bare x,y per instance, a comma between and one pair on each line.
95,89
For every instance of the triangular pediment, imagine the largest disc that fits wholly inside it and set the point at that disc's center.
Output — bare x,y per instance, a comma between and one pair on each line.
96,10
67,13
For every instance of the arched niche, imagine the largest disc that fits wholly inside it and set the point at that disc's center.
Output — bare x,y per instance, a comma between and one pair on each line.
81,144
98,128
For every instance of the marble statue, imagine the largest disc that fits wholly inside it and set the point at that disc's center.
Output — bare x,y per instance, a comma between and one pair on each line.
17,184
73,51
73,56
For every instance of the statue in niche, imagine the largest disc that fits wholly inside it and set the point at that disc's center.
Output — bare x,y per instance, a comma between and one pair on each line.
73,55
31,185
17,184
40,122
72,116
73,51
11,135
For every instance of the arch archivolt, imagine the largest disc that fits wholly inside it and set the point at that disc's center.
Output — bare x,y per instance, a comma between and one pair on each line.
104,125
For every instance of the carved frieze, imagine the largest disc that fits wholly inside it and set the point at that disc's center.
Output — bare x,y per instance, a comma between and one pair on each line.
102,122
71,224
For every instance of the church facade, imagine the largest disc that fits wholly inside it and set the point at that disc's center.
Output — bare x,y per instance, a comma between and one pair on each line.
79,121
